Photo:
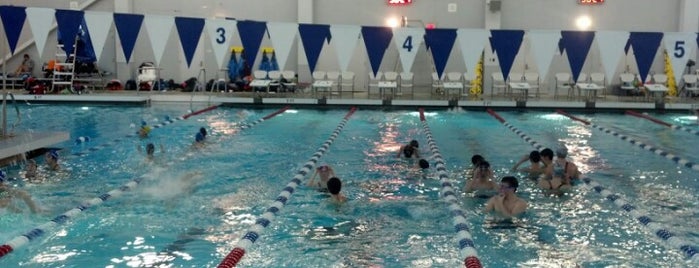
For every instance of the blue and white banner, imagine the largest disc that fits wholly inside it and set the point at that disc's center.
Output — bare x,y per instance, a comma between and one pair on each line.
128,26
408,41
189,30
441,42
544,44
98,23
251,34
472,42
506,44
376,41
313,37
679,47
345,39
220,32
159,29
13,21
68,22
577,45
611,47
40,20
645,45
282,35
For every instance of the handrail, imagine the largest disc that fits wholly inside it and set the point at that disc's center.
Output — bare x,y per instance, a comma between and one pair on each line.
661,232
464,237
19,117
40,230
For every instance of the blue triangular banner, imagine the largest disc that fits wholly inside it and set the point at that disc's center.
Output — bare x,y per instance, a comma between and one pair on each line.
128,26
189,30
313,37
506,44
577,45
376,41
561,48
68,22
441,42
645,46
13,20
251,34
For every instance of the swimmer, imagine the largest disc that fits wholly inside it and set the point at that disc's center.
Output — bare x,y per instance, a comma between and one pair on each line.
51,158
334,187
324,172
506,203
7,194
198,141
554,177
410,150
144,131
475,160
535,168
482,179
150,150
30,169
421,171
203,132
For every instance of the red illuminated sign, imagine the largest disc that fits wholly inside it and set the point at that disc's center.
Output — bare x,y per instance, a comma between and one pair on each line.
399,2
590,2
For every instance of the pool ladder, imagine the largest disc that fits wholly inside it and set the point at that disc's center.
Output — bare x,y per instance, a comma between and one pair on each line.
4,114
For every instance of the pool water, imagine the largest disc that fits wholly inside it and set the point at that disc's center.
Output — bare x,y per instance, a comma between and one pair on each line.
195,204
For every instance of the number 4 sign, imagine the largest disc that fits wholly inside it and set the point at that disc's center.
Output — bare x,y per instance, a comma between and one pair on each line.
407,41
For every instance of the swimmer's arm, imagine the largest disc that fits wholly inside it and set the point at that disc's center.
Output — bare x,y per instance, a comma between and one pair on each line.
310,182
524,159
400,151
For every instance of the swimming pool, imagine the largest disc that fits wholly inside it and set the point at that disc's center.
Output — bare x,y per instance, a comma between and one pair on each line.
394,218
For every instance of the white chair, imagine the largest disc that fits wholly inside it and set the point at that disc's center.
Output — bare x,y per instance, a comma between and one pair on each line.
334,77
275,78
513,78
598,79
259,74
562,83
319,82
533,80
691,86
660,79
406,81
498,83
347,81
627,83
289,81
437,83
260,81
374,80
455,83
392,82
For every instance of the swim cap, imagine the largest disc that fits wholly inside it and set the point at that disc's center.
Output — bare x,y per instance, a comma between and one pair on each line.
424,164
562,152
414,143
202,130
3,176
53,154
146,129
143,123
199,137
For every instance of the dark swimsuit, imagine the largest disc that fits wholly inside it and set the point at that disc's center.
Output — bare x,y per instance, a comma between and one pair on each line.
408,151
557,170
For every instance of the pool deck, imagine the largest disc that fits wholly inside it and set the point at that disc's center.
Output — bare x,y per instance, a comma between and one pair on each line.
363,98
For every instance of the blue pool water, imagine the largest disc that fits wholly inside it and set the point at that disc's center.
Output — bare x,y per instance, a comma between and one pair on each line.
194,205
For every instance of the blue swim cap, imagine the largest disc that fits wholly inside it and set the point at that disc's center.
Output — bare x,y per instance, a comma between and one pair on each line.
199,137
53,154
143,123
3,176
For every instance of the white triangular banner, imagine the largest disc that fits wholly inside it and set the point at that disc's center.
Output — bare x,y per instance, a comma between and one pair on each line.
159,29
408,42
40,20
282,35
679,47
344,38
98,24
472,42
544,45
221,32
611,48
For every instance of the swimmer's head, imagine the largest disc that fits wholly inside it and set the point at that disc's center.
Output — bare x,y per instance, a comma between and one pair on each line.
150,148
143,123
199,137
424,164
534,156
562,152
53,154
414,143
548,153
203,132
334,185
509,182
3,175
323,167
476,158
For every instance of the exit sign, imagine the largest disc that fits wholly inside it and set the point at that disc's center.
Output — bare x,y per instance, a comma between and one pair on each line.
399,2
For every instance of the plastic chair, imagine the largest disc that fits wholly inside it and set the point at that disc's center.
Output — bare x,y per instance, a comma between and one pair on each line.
275,76
347,81
691,86
562,83
437,83
374,80
289,81
391,77
468,79
406,81
334,77
533,80
598,79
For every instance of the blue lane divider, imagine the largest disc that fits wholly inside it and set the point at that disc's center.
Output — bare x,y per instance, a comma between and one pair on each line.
38,231
168,120
465,239
244,244
658,121
663,233
679,160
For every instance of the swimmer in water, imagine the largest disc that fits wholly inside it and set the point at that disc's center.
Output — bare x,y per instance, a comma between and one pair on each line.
7,193
507,203
324,172
410,150
334,187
